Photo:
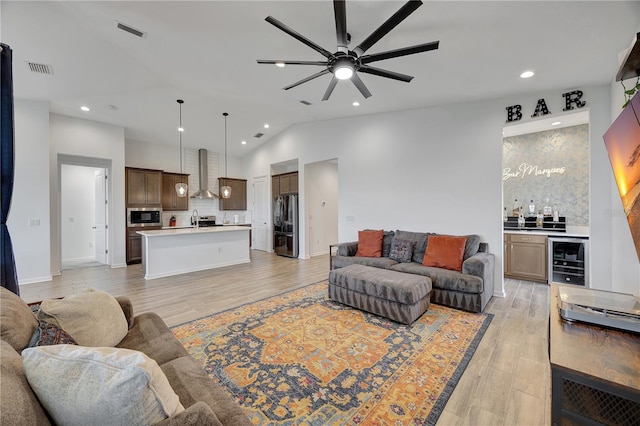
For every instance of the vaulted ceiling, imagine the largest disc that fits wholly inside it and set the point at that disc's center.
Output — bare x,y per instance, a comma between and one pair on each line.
205,52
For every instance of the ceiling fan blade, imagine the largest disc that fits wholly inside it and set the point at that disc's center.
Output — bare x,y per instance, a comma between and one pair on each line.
400,52
274,61
304,80
340,12
332,85
387,26
385,73
273,21
360,85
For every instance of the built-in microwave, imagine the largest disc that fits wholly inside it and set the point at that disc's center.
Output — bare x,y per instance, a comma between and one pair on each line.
144,216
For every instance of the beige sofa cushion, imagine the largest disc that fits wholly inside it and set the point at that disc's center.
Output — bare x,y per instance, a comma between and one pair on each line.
92,318
17,322
99,386
18,401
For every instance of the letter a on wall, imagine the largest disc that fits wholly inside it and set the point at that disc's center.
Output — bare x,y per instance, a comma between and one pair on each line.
541,109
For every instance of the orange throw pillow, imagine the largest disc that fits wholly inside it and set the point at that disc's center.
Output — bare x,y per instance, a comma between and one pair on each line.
370,243
445,251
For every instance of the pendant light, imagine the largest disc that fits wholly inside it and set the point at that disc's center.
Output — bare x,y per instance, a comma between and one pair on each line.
225,191
182,189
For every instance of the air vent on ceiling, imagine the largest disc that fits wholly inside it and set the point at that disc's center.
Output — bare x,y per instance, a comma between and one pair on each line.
258,135
40,68
305,103
131,30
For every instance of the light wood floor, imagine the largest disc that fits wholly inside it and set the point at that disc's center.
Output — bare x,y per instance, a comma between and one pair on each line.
506,382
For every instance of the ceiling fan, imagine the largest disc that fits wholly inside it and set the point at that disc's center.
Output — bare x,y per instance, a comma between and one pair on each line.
344,64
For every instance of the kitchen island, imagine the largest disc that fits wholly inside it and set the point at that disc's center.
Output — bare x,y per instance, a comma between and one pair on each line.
167,252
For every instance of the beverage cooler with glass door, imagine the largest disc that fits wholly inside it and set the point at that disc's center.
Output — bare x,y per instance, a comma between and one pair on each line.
568,261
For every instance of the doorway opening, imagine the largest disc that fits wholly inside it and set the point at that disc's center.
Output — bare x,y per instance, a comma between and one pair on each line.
83,203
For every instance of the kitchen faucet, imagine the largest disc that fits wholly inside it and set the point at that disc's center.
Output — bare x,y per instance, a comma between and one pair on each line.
196,215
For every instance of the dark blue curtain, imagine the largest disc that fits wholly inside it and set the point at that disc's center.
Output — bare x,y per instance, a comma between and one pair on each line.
8,276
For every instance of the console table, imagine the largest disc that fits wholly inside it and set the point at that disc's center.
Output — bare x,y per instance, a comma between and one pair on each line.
595,372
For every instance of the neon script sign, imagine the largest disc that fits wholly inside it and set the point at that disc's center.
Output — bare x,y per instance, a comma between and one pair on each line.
531,170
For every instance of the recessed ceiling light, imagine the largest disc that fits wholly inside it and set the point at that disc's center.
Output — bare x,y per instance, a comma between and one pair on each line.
244,142
555,123
527,74
85,108
280,64
266,126
356,103
181,129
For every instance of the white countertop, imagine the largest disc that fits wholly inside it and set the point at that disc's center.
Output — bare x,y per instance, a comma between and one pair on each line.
171,231
572,232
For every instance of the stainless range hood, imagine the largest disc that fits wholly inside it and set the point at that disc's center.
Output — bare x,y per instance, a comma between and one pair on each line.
204,193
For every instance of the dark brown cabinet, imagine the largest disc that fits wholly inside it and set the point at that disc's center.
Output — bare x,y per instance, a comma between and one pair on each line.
525,257
143,187
238,199
170,199
286,183
134,244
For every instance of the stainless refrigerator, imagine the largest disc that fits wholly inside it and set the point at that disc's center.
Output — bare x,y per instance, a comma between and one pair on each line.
285,225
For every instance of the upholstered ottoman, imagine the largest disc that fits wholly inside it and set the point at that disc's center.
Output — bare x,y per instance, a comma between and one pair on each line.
395,295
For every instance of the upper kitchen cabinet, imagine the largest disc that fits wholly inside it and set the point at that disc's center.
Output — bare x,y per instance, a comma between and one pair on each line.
170,199
238,199
286,183
144,187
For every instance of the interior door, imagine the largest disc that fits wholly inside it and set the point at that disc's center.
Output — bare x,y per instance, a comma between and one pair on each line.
260,218
100,226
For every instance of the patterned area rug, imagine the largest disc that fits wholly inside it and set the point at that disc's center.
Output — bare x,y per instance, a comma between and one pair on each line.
301,359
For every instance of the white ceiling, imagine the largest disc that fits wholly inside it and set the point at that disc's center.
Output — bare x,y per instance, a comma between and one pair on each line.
205,53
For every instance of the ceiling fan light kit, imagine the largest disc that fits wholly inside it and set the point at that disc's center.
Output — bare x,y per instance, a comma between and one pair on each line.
345,64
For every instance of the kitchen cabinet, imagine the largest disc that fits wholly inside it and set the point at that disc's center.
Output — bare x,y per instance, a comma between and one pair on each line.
286,183
170,199
143,187
134,244
525,257
238,199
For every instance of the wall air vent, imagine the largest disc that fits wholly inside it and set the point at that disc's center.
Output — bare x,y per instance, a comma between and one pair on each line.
305,103
130,30
40,68
258,135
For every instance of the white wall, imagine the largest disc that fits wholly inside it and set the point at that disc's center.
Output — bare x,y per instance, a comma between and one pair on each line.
31,192
439,170
321,191
92,140
77,212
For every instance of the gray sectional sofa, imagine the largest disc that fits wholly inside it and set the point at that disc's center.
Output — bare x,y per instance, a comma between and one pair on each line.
470,290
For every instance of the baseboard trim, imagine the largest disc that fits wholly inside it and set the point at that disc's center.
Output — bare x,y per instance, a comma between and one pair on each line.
35,280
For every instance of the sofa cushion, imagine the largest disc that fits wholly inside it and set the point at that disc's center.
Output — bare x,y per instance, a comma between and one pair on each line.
18,405
79,385
151,335
17,322
192,384
378,262
50,334
401,250
445,251
370,243
92,318
472,246
420,240
443,278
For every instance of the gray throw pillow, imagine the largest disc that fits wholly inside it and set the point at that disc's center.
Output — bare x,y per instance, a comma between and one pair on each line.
401,250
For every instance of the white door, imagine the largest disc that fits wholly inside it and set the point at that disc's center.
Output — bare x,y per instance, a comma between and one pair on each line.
101,215
261,216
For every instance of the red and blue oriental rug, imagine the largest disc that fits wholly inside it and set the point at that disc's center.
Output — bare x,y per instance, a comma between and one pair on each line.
301,359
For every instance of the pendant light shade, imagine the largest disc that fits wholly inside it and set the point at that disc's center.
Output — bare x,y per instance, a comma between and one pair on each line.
182,189
225,191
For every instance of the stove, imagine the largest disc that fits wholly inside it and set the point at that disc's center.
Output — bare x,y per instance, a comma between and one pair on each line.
205,221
